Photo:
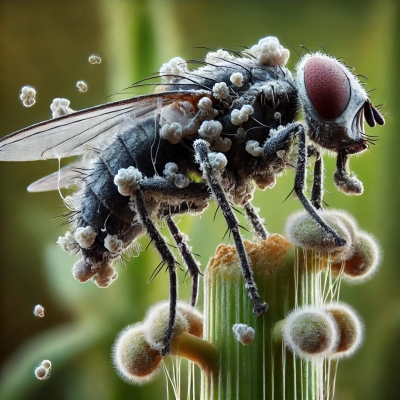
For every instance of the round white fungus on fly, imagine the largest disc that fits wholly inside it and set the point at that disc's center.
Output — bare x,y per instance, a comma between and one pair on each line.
29,102
60,107
242,115
126,180
215,57
269,51
253,148
27,96
217,161
220,91
67,242
205,104
244,333
222,144
173,69
113,244
105,276
172,133
210,129
181,181
38,311
94,59
82,86
85,236
237,79
46,364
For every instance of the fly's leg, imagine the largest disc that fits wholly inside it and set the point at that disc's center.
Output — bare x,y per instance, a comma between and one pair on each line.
317,187
167,257
299,183
191,264
211,177
343,181
255,221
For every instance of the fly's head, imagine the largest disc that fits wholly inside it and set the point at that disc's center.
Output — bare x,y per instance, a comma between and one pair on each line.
334,104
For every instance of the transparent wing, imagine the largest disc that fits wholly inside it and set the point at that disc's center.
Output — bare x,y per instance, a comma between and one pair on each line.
65,178
80,131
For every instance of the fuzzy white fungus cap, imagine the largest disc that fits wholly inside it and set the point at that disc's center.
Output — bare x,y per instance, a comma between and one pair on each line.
242,115
210,129
222,144
38,311
269,51
82,86
156,323
237,79
217,161
220,91
215,57
46,364
67,242
205,104
172,132
42,373
113,244
126,180
244,333
350,328
133,359
194,318
253,148
60,107
171,173
173,69
310,333
27,96
105,276
94,59
85,236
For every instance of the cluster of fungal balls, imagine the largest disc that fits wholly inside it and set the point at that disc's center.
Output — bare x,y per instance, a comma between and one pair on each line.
136,353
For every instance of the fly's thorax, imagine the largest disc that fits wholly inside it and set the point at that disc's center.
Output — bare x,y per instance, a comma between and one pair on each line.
332,101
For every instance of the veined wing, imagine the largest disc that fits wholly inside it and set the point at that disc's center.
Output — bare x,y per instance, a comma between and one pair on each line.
80,131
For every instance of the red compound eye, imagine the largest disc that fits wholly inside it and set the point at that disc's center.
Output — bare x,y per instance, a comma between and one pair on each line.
327,86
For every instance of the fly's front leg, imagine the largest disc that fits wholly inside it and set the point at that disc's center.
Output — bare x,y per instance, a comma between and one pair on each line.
211,164
191,264
343,181
299,184
318,180
255,221
167,257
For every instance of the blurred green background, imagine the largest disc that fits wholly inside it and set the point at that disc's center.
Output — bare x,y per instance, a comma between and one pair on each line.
46,44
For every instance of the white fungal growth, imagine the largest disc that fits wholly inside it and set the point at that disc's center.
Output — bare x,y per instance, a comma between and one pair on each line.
172,133
311,333
269,51
113,244
133,359
170,169
181,180
215,57
237,79
126,180
46,364
38,311
217,161
210,130
60,107
174,69
82,86
274,132
244,333
105,276
222,144
94,59
42,373
27,96
220,91
67,242
277,115
205,104
242,115
85,236
253,147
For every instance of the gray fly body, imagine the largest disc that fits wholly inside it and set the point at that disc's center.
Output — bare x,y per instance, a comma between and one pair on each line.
216,132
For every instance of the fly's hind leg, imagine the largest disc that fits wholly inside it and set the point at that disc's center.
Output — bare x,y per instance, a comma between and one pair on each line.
167,257
255,221
211,175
